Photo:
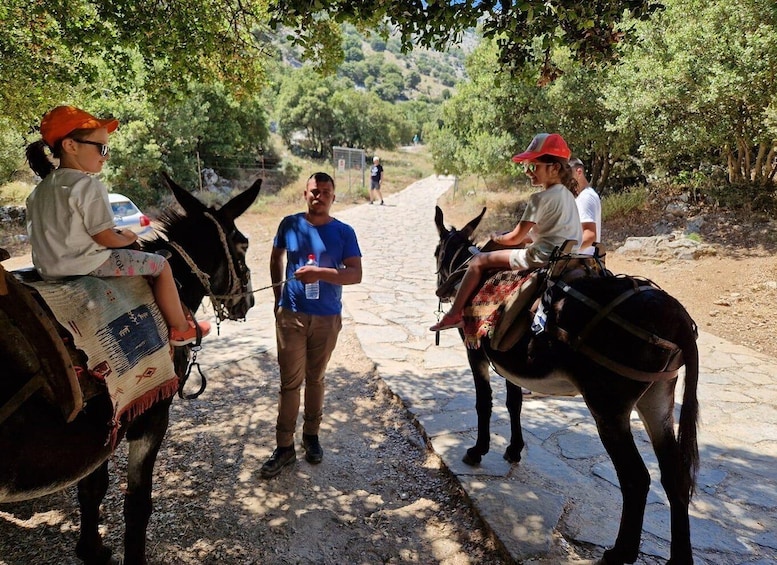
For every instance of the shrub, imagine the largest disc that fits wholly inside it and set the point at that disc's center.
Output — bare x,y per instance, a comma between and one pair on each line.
622,203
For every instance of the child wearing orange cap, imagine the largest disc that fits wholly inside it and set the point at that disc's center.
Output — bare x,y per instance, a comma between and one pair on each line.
70,221
550,218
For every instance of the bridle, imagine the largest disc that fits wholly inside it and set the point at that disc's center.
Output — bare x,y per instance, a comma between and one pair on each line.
235,285
451,269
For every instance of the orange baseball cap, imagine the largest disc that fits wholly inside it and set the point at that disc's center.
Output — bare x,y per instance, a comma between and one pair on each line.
544,144
62,120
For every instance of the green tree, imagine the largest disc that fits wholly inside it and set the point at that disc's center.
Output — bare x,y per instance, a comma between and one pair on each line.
352,47
305,113
413,80
699,85
51,51
589,29
225,133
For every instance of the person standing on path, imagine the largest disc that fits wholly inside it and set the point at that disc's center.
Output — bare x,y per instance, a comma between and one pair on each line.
589,206
307,327
376,180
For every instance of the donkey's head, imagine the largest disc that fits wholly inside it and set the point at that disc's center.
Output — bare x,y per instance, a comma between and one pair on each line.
214,250
452,253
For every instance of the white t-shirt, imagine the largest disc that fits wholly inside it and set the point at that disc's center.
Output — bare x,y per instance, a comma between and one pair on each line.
555,216
589,206
63,213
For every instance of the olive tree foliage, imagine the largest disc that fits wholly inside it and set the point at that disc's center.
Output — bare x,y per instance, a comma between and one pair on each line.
315,112
51,51
589,29
699,85
132,59
496,113
304,114
209,128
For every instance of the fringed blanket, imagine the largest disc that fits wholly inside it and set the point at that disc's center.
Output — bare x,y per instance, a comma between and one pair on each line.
483,315
117,324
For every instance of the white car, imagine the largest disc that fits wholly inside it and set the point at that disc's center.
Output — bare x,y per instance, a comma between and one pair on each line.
128,216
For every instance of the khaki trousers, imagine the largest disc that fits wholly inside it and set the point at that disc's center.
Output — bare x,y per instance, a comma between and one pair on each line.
305,345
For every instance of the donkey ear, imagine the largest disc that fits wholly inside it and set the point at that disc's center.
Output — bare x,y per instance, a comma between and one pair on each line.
240,203
187,201
470,227
438,221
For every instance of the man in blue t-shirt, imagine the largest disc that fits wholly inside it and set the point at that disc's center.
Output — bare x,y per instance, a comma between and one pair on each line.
307,328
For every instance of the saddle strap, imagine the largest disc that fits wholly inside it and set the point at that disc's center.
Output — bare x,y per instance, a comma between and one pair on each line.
621,369
30,387
603,312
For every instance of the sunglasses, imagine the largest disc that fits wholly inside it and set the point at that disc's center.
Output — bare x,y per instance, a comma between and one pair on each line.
531,167
104,149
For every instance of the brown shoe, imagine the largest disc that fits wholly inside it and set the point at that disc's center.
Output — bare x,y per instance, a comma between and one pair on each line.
281,457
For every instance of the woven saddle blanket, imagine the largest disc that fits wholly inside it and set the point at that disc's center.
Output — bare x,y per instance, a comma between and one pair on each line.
119,327
497,304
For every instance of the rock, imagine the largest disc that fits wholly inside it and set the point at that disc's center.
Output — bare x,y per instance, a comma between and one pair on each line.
671,246
677,209
15,215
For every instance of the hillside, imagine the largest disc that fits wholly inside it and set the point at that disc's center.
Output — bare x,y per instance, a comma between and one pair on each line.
378,64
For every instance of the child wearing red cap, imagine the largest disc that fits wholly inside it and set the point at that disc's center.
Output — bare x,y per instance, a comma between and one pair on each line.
550,218
70,220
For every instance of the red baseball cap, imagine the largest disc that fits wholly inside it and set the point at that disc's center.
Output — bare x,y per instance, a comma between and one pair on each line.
544,144
62,120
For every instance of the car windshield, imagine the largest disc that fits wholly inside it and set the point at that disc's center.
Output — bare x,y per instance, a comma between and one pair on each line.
124,208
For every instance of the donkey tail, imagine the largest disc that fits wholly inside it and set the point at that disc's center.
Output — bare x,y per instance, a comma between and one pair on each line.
689,413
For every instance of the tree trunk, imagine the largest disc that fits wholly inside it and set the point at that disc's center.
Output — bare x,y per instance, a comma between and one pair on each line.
605,176
759,172
731,164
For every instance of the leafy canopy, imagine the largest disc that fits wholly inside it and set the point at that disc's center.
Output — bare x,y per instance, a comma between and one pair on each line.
590,29
51,51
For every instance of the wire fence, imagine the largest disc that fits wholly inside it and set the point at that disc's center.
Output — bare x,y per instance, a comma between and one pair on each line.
349,166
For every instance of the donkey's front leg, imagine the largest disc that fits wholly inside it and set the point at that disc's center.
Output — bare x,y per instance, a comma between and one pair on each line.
478,363
514,404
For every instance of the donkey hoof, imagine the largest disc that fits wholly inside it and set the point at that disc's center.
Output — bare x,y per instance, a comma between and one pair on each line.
512,454
103,555
473,457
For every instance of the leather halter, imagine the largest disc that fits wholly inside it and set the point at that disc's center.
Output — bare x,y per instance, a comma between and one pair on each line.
218,301
454,271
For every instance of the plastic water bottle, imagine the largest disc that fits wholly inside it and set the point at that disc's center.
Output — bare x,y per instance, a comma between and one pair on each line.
311,289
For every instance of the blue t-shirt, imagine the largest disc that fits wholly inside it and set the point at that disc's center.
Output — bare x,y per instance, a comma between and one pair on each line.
331,243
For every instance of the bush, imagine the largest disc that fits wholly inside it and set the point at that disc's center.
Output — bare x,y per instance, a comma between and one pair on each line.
622,203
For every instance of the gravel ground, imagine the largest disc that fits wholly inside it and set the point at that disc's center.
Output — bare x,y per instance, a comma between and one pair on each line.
380,495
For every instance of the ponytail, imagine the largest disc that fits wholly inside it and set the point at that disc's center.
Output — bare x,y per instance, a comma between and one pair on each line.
565,173
567,177
38,160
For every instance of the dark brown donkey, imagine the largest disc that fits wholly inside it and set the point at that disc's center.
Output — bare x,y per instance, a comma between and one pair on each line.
614,315
41,453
